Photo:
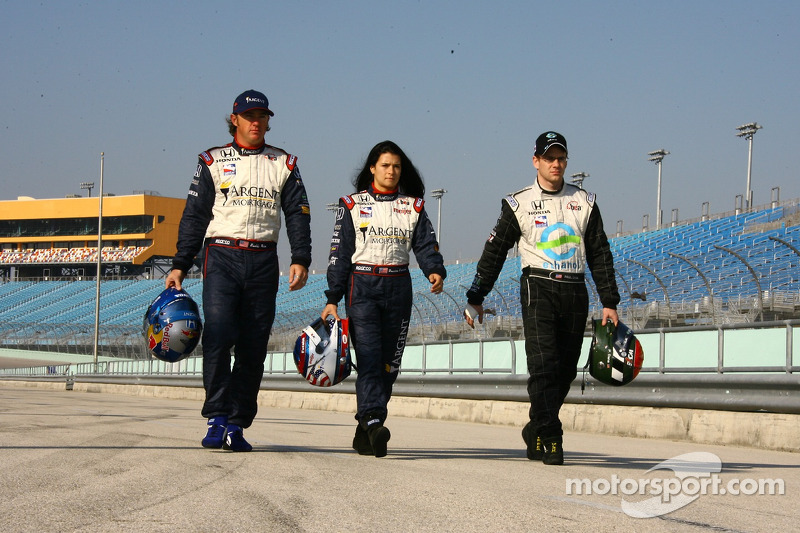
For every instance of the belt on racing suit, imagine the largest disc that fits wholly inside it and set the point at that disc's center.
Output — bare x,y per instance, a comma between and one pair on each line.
242,244
380,270
555,275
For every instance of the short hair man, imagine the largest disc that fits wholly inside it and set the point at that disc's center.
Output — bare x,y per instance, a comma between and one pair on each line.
559,232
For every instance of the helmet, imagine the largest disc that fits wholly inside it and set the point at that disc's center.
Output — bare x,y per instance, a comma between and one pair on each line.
615,356
172,325
322,352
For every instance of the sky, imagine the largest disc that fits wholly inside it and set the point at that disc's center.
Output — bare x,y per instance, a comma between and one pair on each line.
464,87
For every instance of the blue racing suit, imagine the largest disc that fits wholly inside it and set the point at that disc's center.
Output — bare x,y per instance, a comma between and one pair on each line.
233,212
368,265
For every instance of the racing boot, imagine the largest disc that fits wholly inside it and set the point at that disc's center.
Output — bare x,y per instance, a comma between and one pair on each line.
553,451
215,437
361,442
234,440
377,433
533,442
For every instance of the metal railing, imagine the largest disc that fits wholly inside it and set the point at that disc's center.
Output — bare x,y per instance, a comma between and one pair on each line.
420,358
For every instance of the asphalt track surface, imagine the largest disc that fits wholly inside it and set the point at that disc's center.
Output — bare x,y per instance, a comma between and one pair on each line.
77,461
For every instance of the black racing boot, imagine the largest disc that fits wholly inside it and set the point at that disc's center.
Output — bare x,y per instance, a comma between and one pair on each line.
533,442
378,434
361,442
553,451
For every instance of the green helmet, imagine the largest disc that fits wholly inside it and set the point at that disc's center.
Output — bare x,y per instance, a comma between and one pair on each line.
615,356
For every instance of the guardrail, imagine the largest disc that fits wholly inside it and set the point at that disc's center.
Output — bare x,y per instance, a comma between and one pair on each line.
490,369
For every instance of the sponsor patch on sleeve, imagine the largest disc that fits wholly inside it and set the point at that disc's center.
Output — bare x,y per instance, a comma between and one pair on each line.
348,201
512,202
291,161
206,156
418,205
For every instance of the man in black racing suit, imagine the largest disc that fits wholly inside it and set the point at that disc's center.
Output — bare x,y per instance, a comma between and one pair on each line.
559,232
233,212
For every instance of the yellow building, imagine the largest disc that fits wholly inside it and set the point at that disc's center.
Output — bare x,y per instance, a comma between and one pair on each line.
58,237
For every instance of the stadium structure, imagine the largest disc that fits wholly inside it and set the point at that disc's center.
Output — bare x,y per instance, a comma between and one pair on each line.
737,267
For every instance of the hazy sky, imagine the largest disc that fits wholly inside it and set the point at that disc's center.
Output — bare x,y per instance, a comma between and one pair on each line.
463,87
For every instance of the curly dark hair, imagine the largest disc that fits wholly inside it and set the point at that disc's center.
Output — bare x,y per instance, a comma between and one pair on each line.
410,179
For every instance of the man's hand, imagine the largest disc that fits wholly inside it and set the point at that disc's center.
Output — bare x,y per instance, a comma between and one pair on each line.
298,275
471,312
175,278
437,283
610,314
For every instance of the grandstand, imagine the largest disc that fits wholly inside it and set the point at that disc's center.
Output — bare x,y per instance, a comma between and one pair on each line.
57,238
738,267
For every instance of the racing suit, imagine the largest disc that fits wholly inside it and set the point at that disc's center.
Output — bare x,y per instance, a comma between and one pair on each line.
368,262
233,214
559,234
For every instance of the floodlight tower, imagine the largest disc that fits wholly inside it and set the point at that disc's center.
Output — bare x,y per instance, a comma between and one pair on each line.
577,178
88,185
438,193
748,131
657,157
332,207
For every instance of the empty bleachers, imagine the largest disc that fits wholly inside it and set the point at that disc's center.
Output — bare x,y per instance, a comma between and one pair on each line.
726,269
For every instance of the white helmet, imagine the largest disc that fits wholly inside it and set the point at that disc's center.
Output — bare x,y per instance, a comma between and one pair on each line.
322,352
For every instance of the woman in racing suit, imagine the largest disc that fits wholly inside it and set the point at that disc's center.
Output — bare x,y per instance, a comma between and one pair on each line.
375,230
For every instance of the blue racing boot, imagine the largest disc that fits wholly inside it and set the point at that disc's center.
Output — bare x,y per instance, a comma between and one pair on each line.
234,440
217,426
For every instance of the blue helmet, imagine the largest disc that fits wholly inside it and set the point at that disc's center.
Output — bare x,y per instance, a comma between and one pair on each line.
172,325
322,352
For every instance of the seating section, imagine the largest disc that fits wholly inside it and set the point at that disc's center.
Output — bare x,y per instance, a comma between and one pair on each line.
735,268
71,255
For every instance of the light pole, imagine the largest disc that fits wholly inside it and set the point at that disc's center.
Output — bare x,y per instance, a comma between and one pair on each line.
88,185
99,263
577,178
332,207
657,157
438,193
748,131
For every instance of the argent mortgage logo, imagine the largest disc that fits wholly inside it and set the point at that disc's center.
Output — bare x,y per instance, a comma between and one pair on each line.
694,474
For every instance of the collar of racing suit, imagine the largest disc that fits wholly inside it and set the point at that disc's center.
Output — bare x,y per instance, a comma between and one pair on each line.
546,191
247,151
383,196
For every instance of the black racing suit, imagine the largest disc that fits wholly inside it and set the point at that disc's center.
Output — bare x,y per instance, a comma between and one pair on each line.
559,234
233,214
368,264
